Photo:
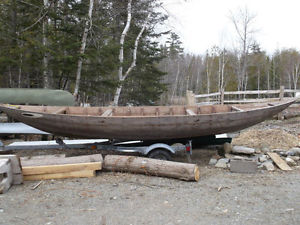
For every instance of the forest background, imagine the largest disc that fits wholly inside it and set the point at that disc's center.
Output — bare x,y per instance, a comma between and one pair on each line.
121,52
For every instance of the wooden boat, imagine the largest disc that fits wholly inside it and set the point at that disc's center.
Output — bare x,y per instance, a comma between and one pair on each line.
144,123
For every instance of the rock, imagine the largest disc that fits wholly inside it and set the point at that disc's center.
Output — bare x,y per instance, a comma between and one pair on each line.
295,158
227,147
222,163
243,150
294,152
243,166
257,151
268,165
290,161
263,158
212,161
265,149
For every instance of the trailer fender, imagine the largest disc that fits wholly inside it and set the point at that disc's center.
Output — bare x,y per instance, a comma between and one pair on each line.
161,146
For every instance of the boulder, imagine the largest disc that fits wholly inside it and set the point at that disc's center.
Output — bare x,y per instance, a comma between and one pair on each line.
290,161
263,158
212,161
268,165
222,163
243,150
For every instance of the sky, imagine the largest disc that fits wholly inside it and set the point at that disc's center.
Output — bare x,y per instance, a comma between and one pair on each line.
202,24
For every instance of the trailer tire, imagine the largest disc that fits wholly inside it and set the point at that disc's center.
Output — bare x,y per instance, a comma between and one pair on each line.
161,154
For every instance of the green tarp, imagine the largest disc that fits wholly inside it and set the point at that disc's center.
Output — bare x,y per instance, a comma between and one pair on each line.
27,96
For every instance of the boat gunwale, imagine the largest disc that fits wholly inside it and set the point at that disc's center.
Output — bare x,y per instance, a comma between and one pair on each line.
14,107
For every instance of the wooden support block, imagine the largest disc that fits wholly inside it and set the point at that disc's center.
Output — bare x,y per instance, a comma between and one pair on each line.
6,175
190,112
279,162
52,169
73,174
61,160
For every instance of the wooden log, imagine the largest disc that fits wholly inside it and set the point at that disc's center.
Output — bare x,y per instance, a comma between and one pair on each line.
73,174
134,164
51,169
61,160
279,162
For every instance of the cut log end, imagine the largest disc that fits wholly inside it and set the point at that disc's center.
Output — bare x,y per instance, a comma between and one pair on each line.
197,173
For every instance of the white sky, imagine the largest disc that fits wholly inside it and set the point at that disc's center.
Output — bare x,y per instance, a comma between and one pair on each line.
205,23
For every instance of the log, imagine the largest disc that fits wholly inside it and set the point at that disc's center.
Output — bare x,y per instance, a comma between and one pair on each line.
60,160
73,174
134,164
50,169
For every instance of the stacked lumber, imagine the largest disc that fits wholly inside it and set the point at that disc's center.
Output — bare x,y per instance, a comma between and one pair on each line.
59,166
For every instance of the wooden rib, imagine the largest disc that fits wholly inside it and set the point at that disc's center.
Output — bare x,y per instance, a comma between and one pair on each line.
198,110
171,111
190,112
157,112
237,109
108,112
142,112
100,111
129,111
60,111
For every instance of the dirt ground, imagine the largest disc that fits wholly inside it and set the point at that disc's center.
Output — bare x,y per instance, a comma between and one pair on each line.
220,197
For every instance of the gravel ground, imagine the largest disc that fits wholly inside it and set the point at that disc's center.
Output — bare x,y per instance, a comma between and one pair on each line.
220,197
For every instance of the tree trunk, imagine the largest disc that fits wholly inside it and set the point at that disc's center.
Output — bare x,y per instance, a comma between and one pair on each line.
87,27
134,164
45,44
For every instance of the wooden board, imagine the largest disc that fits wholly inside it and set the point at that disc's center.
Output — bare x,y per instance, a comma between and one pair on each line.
51,169
73,174
278,161
61,160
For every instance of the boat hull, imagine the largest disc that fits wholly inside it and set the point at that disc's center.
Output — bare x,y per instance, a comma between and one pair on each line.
144,127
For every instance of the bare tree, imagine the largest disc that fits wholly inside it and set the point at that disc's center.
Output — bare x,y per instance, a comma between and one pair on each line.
121,75
88,25
243,24
45,44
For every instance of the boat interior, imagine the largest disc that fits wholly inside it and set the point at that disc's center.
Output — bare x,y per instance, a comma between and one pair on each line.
140,110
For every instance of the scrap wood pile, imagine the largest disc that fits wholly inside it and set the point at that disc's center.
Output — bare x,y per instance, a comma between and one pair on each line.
14,170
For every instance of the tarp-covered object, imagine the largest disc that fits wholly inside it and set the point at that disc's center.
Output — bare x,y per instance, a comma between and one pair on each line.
27,96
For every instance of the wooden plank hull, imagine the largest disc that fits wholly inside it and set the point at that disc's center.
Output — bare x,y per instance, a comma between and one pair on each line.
143,127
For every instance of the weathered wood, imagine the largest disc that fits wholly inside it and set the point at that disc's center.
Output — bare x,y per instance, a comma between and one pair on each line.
73,174
61,160
51,169
60,111
6,175
134,164
108,112
237,109
190,112
279,162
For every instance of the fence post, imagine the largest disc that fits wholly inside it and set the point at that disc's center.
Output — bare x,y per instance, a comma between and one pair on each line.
190,98
281,94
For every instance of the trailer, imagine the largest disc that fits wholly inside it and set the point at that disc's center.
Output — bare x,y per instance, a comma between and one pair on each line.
162,149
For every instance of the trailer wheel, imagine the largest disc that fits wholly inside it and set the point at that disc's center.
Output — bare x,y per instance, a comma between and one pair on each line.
160,154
